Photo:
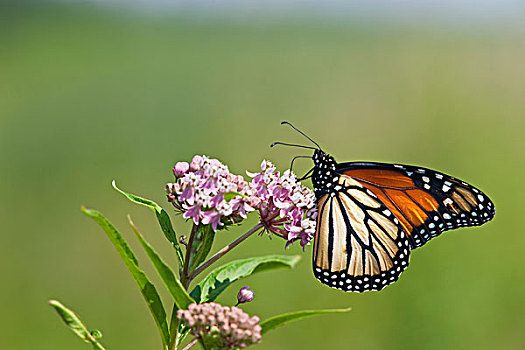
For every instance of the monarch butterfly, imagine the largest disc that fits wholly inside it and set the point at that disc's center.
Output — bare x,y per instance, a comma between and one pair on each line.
372,215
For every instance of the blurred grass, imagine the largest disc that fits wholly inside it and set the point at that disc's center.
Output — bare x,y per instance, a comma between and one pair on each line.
87,96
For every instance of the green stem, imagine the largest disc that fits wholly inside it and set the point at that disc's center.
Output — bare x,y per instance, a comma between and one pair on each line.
175,322
224,250
189,251
174,329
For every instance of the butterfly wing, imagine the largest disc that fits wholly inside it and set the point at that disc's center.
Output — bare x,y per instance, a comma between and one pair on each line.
359,244
425,202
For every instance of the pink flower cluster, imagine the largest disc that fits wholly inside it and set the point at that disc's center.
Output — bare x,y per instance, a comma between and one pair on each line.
236,328
206,192
287,208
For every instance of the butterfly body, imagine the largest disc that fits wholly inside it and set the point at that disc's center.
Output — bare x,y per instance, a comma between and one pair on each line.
371,215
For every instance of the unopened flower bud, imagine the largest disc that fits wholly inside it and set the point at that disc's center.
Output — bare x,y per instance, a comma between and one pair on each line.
245,295
180,169
238,333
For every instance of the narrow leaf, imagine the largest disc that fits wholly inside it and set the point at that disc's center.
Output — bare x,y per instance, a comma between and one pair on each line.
162,217
146,287
177,291
220,278
74,323
281,320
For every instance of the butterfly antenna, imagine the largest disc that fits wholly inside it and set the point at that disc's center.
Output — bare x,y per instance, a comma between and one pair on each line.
307,175
291,144
294,158
302,133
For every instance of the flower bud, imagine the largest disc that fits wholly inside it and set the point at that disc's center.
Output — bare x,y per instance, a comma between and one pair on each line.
180,169
245,295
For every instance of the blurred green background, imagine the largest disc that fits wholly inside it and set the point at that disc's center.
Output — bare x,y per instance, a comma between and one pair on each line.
89,94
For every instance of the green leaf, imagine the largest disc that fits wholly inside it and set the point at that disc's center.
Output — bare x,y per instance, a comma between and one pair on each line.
146,287
220,278
162,217
177,291
281,320
201,246
74,323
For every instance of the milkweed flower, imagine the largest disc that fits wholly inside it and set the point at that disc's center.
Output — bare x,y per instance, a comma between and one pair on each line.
287,208
233,326
206,192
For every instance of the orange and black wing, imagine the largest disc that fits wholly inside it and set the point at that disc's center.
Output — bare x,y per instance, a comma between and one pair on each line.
359,245
425,202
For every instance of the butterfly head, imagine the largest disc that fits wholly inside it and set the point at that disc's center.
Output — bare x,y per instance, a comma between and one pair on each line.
324,176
